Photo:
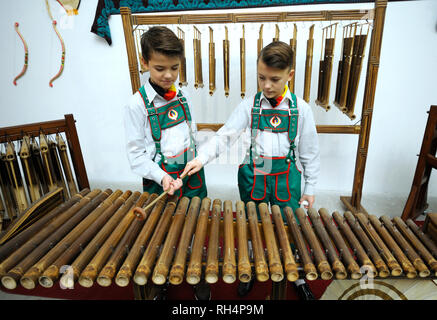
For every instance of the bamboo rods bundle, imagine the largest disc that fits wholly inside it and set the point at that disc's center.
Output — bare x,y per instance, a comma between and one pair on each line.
244,268
6,188
308,65
293,45
197,49
261,268
229,268
226,63
73,272
178,268
319,256
183,68
275,266
194,270
145,265
62,149
243,65
212,265
28,170
351,265
423,237
47,164
30,277
337,265
212,64
59,177
89,274
408,249
166,255
37,163
15,178
298,239
127,269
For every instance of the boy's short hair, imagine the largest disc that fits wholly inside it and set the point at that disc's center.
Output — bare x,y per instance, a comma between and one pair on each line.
162,40
278,55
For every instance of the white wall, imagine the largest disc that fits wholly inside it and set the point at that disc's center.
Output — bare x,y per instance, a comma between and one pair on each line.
95,86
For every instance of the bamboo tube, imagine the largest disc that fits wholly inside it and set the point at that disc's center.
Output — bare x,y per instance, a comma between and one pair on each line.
212,265
293,45
125,273
212,86
415,242
162,266
298,239
276,38
30,277
290,265
145,266
10,279
229,268
275,266
351,265
62,148
15,178
408,249
243,65
244,268
380,265
47,162
51,274
261,268
59,177
423,237
319,256
226,63
391,261
89,274
5,185
28,170
72,273
178,268
183,68
37,162
194,270
406,265
308,65
337,265
260,45
197,46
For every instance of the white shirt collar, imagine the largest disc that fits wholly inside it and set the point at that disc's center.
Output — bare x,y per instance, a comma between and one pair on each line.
287,96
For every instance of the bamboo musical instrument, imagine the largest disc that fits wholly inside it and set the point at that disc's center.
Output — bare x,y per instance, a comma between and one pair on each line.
308,65
197,46
145,265
62,149
408,268
344,253
244,268
261,268
275,266
276,38
243,65
298,239
226,63
194,270
229,261
15,178
37,162
429,244
293,45
6,188
47,162
414,241
212,265
380,265
334,259
124,275
260,45
407,248
212,86
28,170
57,169
138,33
183,68
178,268
319,256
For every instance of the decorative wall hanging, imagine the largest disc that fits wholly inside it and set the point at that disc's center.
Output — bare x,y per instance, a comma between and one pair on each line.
70,6
61,68
26,55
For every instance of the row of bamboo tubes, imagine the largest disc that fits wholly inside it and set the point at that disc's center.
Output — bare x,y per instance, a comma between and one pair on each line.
95,237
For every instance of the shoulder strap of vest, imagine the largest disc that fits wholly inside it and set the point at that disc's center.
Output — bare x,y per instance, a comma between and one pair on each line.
255,115
294,116
153,120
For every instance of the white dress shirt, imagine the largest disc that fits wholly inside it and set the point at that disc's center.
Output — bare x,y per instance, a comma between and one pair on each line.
140,145
269,143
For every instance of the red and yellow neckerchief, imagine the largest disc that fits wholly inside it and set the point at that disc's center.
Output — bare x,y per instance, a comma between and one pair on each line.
171,93
276,101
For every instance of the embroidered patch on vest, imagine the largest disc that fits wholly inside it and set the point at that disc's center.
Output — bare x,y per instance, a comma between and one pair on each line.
173,114
275,121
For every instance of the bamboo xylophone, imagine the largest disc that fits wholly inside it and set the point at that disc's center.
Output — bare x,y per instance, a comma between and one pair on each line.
96,236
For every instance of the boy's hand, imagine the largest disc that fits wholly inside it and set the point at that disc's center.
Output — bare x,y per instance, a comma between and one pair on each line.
192,167
171,185
309,199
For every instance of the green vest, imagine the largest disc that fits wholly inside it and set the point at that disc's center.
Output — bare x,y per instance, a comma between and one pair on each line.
163,118
274,180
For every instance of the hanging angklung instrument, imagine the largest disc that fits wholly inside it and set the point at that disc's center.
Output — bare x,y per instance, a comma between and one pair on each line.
276,38
359,47
38,165
15,178
226,63
30,176
212,86
138,33
243,65
293,45
344,67
197,46
57,169
325,67
6,188
62,149
47,162
183,68
308,65
260,45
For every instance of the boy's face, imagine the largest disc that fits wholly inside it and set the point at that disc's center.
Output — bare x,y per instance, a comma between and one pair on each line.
272,80
164,70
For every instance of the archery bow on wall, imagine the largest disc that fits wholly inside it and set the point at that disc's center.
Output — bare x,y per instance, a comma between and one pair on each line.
26,55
